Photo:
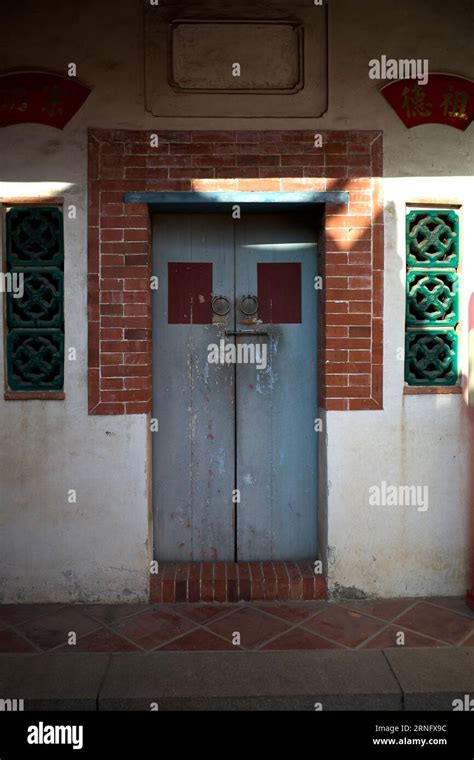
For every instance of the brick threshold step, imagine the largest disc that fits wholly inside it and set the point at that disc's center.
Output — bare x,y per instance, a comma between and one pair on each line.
236,581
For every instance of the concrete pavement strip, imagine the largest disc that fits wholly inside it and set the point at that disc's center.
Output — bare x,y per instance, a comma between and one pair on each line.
386,680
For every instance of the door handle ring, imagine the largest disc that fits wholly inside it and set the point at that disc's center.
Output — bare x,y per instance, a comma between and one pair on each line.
220,306
249,305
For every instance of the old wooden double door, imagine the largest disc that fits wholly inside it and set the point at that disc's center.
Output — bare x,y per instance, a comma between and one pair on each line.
234,387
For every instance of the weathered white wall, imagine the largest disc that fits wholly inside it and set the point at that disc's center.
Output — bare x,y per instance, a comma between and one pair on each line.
98,549
417,440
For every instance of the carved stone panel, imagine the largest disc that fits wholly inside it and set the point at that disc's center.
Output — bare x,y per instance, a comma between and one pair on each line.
204,56
246,59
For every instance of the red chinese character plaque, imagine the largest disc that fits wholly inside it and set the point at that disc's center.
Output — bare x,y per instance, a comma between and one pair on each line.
445,99
39,98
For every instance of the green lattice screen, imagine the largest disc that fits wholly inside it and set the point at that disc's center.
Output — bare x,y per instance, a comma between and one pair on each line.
432,299
35,321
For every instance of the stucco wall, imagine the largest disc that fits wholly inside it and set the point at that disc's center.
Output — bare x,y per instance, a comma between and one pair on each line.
417,440
98,549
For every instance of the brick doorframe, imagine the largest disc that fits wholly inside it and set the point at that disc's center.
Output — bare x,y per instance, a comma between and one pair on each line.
119,294
119,246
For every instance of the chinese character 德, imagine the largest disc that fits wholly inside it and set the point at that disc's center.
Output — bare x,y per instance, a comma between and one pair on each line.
415,102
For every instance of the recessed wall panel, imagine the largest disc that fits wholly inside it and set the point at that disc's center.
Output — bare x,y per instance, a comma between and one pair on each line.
244,59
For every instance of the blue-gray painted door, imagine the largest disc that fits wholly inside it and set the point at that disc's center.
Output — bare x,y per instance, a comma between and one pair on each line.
193,401
276,406
235,454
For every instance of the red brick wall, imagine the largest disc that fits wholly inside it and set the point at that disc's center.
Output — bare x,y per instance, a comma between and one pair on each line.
119,306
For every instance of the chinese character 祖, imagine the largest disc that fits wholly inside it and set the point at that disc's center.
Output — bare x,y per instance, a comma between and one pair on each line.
454,103
415,102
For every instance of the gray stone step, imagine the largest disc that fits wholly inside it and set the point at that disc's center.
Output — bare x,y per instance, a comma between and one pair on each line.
251,680
395,679
432,678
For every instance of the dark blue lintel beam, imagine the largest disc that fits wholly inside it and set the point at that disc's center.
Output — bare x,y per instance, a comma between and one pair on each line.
206,201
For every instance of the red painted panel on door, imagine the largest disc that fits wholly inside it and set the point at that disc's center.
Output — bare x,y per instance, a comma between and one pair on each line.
279,293
189,293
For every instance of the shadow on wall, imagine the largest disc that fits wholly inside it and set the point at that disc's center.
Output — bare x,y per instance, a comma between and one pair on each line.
470,413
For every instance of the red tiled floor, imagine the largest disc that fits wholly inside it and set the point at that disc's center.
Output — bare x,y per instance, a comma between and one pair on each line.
388,639
15,614
343,626
199,640
254,627
437,622
101,641
11,642
200,613
112,613
385,609
298,638
52,630
153,628
454,603
292,613
206,626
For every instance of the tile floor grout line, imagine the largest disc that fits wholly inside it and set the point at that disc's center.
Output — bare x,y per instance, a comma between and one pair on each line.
393,620
206,626
124,617
275,616
138,646
427,635
368,614
467,614
305,630
222,615
448,643
408,630
57,646
373,636
408,609
9,626
256,648
68,606
102,626
37,617
109,627
303,623
235,648
281,633
25,638
174,638
465,638
126,638
384,623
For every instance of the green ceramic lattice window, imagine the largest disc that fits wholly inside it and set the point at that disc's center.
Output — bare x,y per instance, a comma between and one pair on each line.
432,300
35,321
